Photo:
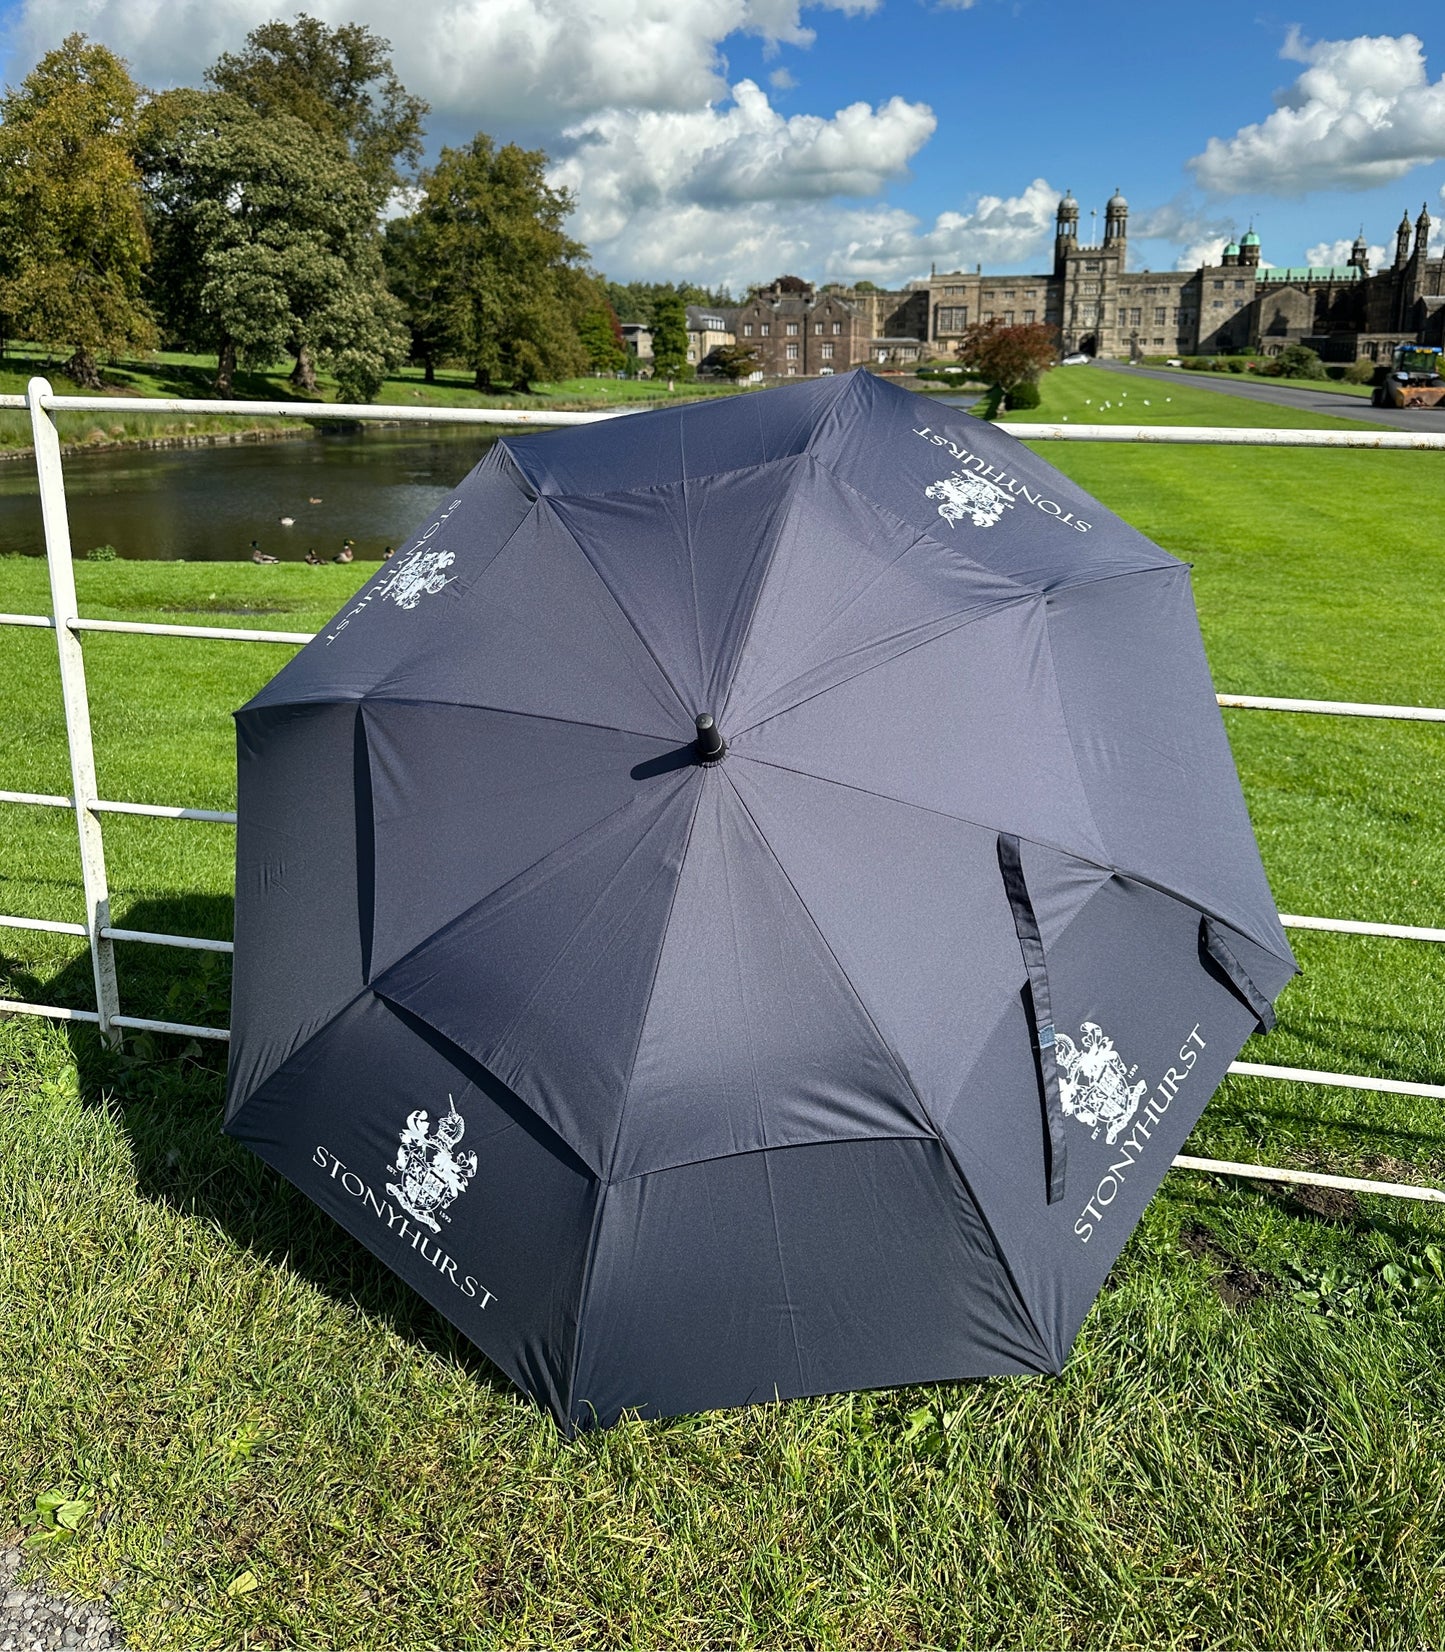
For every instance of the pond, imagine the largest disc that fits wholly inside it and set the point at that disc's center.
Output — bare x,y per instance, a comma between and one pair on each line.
206,504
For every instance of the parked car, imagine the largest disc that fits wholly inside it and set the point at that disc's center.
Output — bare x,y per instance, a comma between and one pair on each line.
1076,358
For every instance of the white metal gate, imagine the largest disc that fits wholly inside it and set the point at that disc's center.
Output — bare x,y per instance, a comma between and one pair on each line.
65,620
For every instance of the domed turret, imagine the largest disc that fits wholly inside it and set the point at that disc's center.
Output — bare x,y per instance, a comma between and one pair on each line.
1116,203
1360,253
1116,218
1249,248
1230,255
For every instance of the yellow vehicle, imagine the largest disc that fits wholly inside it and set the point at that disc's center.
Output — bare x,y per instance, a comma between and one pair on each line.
1414,378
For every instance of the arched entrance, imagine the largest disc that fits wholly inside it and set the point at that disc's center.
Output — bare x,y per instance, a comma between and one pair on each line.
1089,344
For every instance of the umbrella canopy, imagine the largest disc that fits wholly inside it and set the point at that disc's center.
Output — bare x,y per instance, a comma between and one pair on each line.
748,903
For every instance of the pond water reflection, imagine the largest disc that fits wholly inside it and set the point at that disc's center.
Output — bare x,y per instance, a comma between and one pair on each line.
204,504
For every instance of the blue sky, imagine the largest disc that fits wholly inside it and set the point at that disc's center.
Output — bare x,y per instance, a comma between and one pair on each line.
728,140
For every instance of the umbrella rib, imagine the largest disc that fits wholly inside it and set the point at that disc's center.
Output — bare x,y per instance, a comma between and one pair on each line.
652,987
566,527
510,711
965,617
491,894
929,809
900,1066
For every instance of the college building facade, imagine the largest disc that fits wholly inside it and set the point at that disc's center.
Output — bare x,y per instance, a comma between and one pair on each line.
1100,307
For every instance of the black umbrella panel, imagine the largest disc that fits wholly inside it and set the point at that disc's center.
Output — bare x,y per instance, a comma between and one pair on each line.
748,903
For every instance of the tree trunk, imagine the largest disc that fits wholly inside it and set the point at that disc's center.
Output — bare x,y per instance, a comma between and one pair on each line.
226,366
82,367
430,375
483,380
303,374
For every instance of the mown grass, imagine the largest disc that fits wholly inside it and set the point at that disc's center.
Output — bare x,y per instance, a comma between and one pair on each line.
174,373
279,1446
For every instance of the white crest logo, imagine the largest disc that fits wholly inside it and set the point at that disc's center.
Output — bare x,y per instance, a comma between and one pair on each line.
429,1173
1094,1082
975,497
419,575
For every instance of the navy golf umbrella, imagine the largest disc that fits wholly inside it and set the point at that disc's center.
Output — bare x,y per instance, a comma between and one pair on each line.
748,903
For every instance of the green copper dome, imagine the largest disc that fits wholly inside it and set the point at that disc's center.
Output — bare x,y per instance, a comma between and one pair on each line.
1250,239
1232,250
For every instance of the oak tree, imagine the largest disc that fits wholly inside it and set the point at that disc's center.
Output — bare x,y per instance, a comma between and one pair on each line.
265,239
491,226
73,244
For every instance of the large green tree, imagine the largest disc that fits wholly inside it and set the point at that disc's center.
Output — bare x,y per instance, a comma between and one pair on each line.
422,288
73,243
265,241
669,338
491,226
340,82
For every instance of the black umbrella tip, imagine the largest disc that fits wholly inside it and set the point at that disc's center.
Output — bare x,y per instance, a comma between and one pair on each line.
710,743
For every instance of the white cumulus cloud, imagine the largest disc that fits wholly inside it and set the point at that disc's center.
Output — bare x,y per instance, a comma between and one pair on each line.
489,61
1363,112
741,243
1338,252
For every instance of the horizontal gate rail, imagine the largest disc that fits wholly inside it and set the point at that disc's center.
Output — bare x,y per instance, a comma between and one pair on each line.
67,623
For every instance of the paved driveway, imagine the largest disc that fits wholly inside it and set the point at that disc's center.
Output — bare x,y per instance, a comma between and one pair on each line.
1310,401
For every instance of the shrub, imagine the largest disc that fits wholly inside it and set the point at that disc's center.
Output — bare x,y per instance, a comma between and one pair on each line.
1360,371
1237,364
1298,361
1021,396
101,553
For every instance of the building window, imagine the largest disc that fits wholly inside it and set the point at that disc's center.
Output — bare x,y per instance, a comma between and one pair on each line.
1008,318
1028,318
824,372
792,329
792,350
1158,316
1133,318
747,329
817,327
1091,264
1158,340
953,292
1219,286
837,328
827,352
1239,286
763,329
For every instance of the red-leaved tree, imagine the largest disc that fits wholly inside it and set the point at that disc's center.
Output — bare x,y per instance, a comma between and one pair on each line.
1002,356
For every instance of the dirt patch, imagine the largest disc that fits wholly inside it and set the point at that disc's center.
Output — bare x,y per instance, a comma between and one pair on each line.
1234,1283
1330,1204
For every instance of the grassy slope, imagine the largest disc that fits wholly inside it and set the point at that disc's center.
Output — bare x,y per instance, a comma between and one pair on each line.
1243,1451
170,373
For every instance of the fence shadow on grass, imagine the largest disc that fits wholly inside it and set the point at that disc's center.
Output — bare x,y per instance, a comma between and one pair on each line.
168,1094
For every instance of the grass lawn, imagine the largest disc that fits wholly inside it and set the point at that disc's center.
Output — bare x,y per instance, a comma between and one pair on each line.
277,1445
171,373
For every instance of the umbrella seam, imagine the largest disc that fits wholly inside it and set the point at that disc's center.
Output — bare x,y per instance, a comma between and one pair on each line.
964,618
584,1293
921,1134
370,698
462,916
1067,724
566,527
651,988
1020,1300
927,808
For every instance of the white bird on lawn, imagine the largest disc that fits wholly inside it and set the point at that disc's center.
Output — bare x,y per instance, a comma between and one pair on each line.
288,521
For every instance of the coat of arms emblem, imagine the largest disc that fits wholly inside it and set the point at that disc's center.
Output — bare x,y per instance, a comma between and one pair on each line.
1094,1082
418,575
975,497
429,1172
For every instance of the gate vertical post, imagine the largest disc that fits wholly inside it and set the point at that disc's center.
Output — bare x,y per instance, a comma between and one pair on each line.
84,791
